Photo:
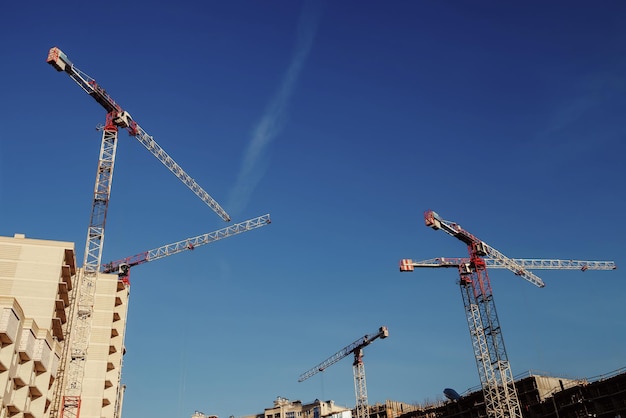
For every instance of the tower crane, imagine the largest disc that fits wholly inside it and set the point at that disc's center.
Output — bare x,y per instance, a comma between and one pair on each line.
75,351
496,378
358,368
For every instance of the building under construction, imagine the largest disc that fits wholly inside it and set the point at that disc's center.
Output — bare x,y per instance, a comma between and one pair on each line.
540,396
38,305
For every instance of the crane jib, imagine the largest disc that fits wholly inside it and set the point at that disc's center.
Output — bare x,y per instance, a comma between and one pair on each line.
117,117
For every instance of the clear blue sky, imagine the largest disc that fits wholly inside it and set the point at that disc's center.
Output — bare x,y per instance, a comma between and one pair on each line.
344,120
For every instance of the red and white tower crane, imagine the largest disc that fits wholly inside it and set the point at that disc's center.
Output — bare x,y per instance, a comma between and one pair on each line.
75,351
358,368
496,378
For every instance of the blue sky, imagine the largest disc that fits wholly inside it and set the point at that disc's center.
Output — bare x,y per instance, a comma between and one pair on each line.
344,120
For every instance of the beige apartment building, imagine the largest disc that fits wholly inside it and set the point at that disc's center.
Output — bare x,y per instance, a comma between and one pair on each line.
284,408
39,282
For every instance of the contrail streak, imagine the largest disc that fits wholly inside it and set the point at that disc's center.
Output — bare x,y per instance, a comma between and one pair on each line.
269,126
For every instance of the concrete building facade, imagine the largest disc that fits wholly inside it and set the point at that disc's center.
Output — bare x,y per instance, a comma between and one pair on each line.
38,294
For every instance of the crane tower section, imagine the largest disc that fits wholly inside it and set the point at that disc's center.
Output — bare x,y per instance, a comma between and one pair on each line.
494,369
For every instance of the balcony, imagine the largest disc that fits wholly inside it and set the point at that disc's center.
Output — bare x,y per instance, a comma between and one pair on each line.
42,356
9,326
59,309
54,367
66,276
19,382
26,347
12,409
34,392
57,330
63,294
70,260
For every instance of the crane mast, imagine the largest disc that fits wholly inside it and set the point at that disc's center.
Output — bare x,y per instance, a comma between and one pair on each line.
81,308
501,400
496,377
358,368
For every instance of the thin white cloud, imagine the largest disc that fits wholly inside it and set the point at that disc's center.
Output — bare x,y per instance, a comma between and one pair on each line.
269,126
594,92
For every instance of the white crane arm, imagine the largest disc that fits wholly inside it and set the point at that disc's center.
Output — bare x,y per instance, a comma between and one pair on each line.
187,244
358,344
539,264
511,264
151,145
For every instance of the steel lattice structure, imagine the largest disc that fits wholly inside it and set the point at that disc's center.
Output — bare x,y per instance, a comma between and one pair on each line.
358,368
494,369
121,266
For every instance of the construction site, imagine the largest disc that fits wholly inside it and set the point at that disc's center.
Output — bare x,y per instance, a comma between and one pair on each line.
63,322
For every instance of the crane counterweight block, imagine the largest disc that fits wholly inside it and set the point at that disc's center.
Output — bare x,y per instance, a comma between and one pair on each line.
406,265
57,59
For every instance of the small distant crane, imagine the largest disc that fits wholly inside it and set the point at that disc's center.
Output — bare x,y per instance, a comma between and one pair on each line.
501,400
356,348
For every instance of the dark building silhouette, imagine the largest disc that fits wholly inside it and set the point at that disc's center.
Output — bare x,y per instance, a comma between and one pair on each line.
540,397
